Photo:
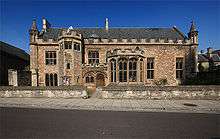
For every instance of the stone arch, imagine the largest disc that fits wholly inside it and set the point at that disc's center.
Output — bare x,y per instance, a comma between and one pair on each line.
100,79
91,73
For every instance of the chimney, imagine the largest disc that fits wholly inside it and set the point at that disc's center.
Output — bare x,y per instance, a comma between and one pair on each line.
209,52
46,24
106,24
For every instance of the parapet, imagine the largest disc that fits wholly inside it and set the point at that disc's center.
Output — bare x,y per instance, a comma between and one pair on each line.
136,41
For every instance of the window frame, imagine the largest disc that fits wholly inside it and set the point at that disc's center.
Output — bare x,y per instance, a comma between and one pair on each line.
77,46
68,66
93,57
68,47
179,67
89,79
113,70
51,79
122,70
50,57
132,66
141,70
150,68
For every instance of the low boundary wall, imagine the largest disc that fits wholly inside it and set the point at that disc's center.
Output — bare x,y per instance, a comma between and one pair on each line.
50,92
160,92
117,92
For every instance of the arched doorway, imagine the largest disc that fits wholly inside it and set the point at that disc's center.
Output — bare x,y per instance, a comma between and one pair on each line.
100,80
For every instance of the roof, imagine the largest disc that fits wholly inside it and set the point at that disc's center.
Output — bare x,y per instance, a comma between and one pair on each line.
215,58
204,58
7,48
120,33
216,52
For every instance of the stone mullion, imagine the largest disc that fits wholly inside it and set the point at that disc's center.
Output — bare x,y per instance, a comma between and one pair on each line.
128,70
117,72
138,71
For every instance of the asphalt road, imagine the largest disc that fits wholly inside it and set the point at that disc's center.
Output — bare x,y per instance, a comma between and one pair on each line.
23,123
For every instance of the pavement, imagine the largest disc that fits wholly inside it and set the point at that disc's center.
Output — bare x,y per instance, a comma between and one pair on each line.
195,106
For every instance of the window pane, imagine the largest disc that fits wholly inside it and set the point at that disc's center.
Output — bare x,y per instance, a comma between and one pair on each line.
125,76
120,76
92,79
130,65
150,74
134,65
114,76
55,79
120,66
47,80
87,79
51,79
47,55
125,66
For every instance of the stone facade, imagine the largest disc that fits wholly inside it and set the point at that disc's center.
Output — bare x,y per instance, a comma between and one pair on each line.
86,56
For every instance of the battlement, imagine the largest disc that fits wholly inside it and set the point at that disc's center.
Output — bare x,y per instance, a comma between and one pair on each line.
136,41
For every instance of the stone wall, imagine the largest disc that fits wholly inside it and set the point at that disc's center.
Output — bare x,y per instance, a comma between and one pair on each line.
116,92
164,58
46,92
160,92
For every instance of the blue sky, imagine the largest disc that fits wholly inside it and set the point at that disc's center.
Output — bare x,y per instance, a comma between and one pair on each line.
16,17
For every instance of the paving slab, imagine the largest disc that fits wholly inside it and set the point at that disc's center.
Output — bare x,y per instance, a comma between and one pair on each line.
203,106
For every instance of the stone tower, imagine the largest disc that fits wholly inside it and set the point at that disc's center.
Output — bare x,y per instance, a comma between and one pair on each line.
33,33
193,37
193,34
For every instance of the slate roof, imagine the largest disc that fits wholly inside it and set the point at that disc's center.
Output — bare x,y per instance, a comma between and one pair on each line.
7,48
120,33
215,58
216,52
204,58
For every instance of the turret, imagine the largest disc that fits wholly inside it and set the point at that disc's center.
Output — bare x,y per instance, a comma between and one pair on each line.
46,25
33,31
209,52
193,33
106,24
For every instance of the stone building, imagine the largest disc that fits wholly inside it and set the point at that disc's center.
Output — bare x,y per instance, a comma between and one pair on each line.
209,61
103,56
14,66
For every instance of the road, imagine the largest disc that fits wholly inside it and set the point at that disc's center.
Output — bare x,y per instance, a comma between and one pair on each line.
26,123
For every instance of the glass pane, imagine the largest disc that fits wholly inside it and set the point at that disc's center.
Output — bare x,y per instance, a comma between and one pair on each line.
125,66
152,65
97,54
134,65
120,76
55,79
47,55
148,65
120,66
51,79
130,65
114,76
125,76
92,79
47,80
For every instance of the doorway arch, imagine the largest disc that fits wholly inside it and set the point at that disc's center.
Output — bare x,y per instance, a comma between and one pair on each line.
100,80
